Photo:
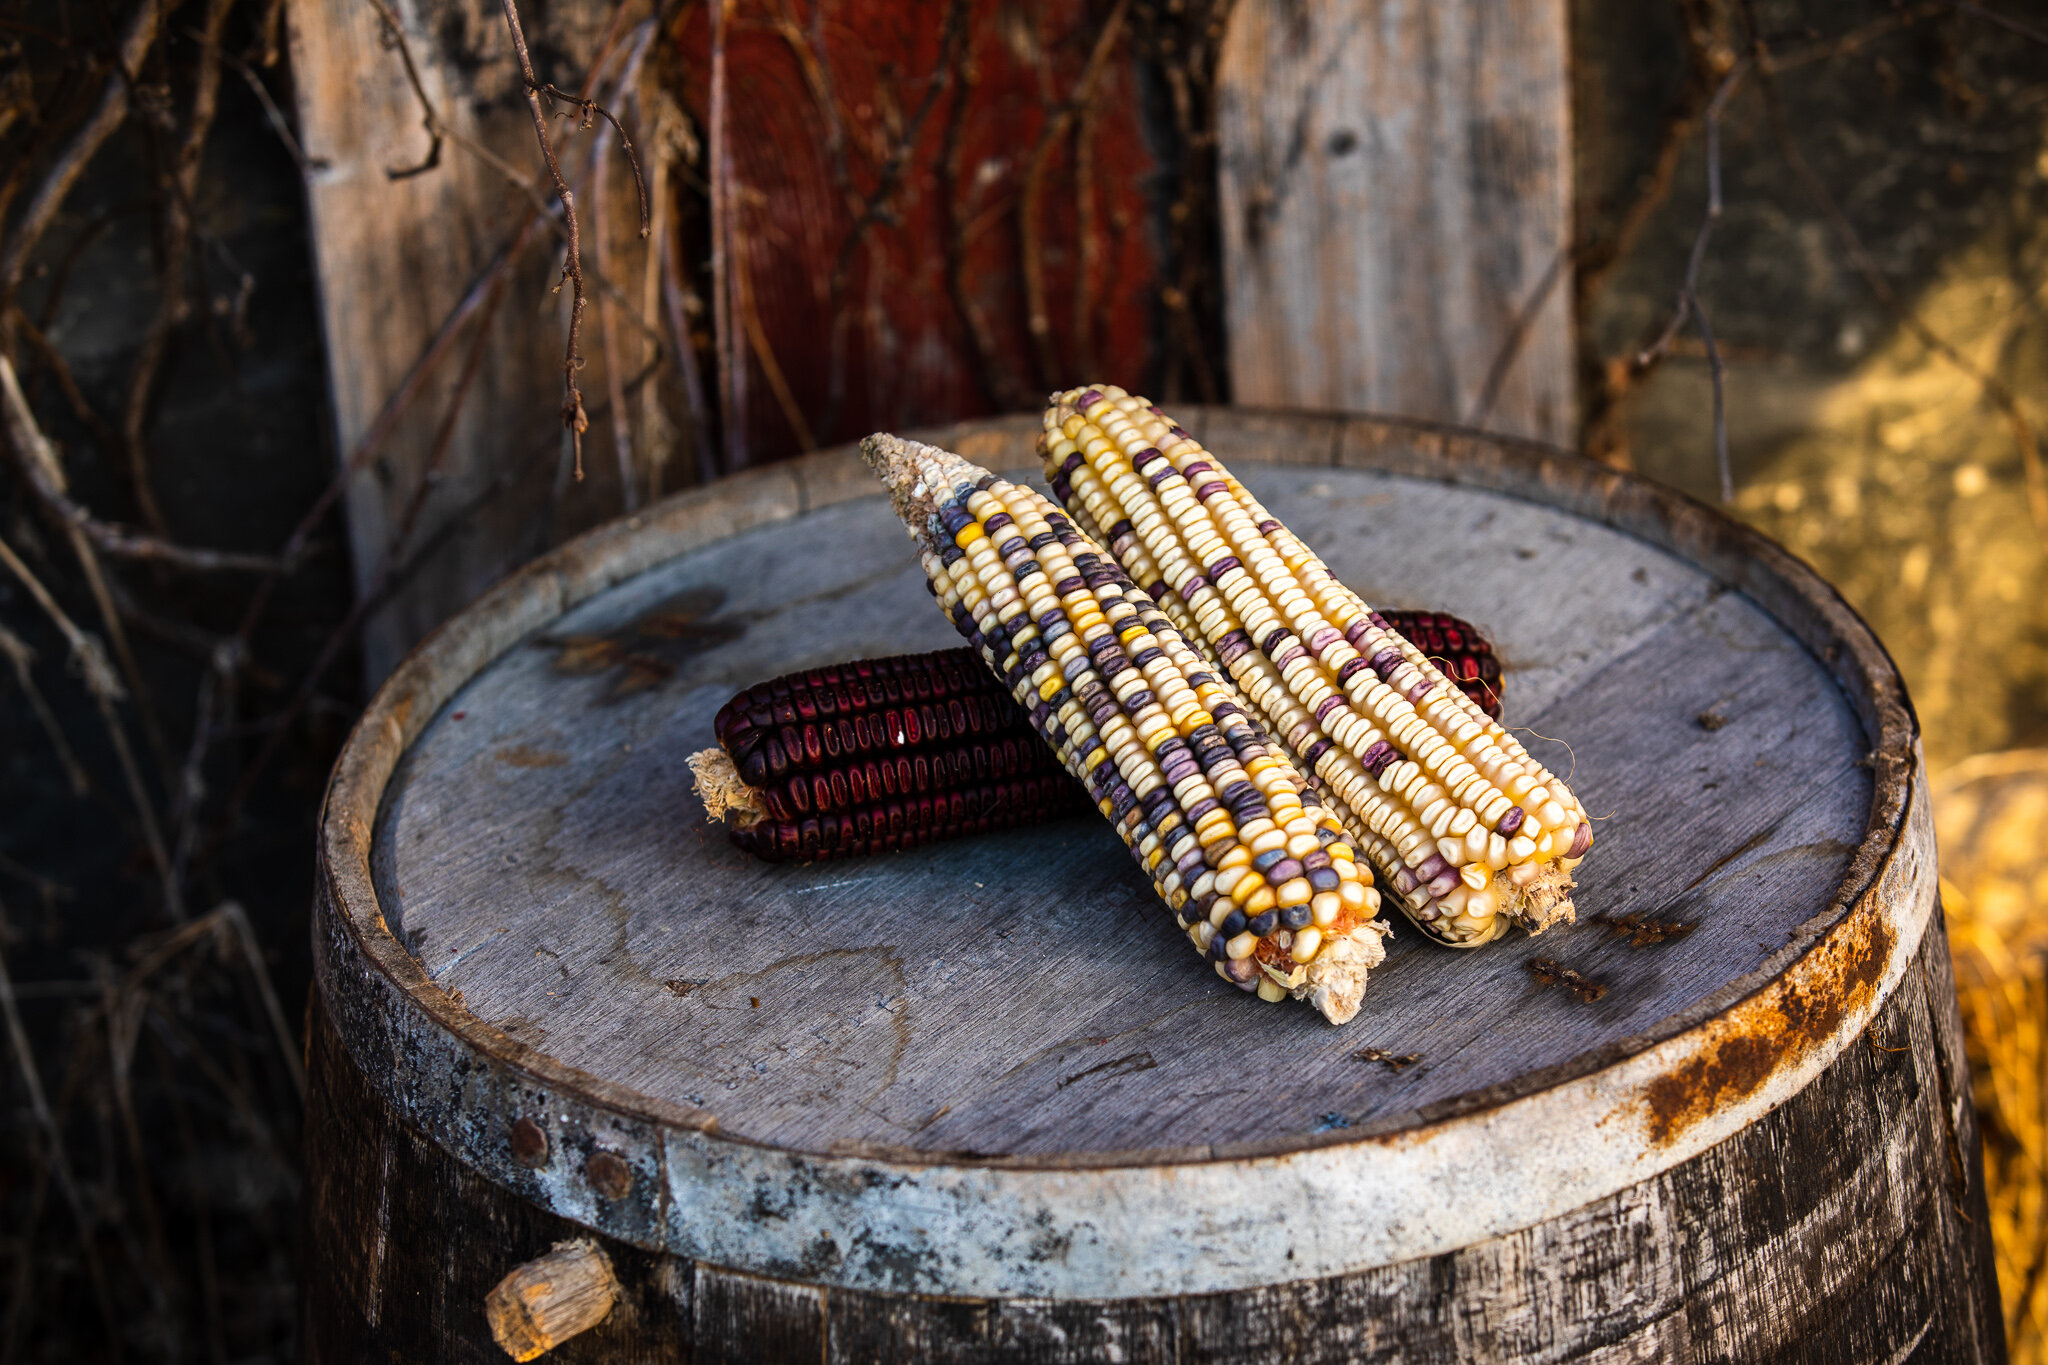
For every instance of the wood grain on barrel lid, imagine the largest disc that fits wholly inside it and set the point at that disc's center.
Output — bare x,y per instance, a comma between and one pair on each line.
978,1049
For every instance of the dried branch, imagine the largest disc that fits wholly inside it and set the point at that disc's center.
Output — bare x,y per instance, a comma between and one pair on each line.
42,209
181,186
732,373
1517,336
105,688
1688,302
574,419
22,659
2011,25
53,1140
37,460
1056,128
1993,388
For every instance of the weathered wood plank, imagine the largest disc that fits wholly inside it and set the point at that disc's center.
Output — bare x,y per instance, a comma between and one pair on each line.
1395,190
393,257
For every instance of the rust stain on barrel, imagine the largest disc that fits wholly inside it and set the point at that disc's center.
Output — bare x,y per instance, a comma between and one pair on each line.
1752,1042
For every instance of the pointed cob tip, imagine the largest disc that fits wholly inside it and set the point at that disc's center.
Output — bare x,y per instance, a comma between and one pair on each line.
919,477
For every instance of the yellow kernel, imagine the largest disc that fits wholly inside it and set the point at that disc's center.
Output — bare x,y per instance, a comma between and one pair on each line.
1293,892
1271,991
1260,901
1352,894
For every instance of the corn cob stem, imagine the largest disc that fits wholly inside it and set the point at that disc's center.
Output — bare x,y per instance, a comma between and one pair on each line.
1258,873
1470,831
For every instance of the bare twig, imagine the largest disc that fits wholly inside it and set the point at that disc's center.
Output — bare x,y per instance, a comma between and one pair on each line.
1989,384
105,688
180,186
1056,127
757,339
574,419
676,297
22,659
732,373
1688,303
59,1162
252,953
56,184
608,332
1517,336
40,469
2027,31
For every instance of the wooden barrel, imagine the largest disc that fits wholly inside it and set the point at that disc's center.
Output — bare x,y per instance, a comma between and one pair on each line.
980,1102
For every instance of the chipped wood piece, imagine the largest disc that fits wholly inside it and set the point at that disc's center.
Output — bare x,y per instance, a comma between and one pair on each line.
1388,1059
551,1298
1639,930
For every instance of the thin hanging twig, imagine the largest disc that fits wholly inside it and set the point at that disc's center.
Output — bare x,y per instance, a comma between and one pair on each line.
1688,302
181,186
105,689
574,419
53,1139
37,460
1990,385
22,659
84,145
1055,130
732,373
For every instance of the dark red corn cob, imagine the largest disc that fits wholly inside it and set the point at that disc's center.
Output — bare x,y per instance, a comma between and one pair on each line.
892,825
831,789
1456,647
800,721
884,754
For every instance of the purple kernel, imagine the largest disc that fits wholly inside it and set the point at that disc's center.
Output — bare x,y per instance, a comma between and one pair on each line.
1314,752
1213,486
1088,399
1326,706
1432,867
1444,885
1286,870
1321,879
1582,839
1268,527
1273,639
1223,566
1423,687
1510,822
1199,467
1385,662
1404,881
1351,670
1323,639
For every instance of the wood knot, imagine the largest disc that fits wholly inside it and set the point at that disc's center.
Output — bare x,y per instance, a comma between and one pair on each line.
551,1298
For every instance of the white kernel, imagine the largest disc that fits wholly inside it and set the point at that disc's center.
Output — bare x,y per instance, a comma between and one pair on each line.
1324,907
1521,849
1242,946
1306,942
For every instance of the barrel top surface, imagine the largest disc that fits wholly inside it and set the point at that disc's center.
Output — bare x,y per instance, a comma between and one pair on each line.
540,853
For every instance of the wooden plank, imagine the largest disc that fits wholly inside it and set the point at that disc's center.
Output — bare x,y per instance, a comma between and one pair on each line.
1022,994
394,256
1395,191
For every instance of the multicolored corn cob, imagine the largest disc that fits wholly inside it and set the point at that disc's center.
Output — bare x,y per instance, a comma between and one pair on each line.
1470,831
1259,874
874,756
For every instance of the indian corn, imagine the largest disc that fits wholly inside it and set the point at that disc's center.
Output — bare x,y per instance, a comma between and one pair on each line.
876,755
1470,831
1258,872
